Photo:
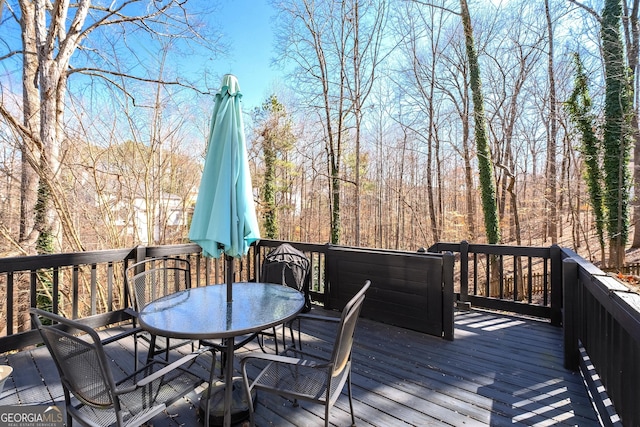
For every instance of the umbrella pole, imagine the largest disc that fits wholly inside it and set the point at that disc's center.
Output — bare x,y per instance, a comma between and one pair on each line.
228,376
229,262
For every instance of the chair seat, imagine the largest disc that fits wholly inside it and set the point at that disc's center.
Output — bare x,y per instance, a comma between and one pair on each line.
305,377
301,377
108,418
143,402
93,395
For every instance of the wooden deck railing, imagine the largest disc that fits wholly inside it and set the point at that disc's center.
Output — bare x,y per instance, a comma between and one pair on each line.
602,338
80,285
91,285
94,281
601,317
628,269
520,279
599,314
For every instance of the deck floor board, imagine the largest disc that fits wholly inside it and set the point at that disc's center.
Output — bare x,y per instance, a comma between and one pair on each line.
500,370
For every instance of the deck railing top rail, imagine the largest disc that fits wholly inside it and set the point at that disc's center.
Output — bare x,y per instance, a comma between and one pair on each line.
480,248
39,262
521,279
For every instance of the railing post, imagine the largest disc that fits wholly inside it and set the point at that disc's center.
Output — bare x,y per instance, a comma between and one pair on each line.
571,321
327,279
463,303
257,261
141,253
447,296
556,285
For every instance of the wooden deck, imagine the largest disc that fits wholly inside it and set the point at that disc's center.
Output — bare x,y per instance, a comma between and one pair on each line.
500,370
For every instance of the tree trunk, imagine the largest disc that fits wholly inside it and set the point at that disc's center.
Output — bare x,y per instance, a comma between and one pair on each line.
485,166
551,192
616,135
632,28
31,147
468,174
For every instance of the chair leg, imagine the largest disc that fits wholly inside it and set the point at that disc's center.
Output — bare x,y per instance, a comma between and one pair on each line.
247,389
67,402
260,338
284,337
353,418
275,338
135,352
293,339
327,409
152,349
261,342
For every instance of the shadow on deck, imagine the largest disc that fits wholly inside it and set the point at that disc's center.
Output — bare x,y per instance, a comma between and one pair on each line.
500,370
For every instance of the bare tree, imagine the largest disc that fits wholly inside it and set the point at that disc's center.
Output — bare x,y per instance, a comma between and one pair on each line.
336,48
314,36
367,21
53,35
551,193
422,47
487,179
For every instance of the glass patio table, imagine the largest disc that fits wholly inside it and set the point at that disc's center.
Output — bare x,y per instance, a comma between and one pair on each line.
203,313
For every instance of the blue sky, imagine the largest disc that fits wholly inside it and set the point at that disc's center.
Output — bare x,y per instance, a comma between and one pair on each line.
246,25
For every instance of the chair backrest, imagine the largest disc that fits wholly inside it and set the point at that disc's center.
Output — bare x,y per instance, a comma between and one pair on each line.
344,338
153,278
288,266
80,358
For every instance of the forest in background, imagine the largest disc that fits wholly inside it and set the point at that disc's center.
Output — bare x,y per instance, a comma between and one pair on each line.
371,142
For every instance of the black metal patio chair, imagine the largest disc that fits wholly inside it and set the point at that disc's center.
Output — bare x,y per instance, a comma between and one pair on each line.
290,267
149,280
297,375
93,395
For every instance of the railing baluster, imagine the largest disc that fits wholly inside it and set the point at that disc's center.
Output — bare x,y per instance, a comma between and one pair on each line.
516,260
33,286
10,299
464,273
501,275
74,270
475,273
110,290
530,280
546,282
75,291
94,289
56,290
487,292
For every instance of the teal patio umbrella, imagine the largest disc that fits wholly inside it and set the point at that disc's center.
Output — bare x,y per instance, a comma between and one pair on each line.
224,219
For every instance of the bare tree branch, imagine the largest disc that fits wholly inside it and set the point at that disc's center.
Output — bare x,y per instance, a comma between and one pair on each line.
98,72
446,9
587,9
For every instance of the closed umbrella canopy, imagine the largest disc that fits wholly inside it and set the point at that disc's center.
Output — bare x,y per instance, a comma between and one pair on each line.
224,219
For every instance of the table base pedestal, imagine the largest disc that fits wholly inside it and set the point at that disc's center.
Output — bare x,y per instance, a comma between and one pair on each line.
239,405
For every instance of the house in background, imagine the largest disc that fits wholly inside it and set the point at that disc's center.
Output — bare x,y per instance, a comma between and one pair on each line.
150,221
